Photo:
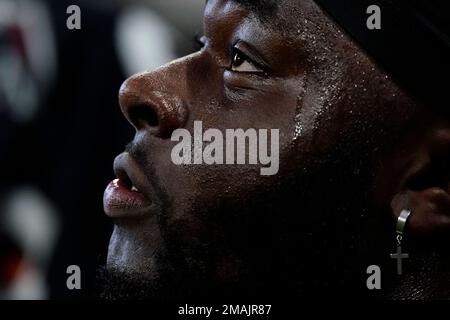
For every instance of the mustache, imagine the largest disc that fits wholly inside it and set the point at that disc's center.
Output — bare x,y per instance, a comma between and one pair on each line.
141,157
136,153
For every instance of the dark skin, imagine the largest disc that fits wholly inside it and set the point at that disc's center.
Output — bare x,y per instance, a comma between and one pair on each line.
349,158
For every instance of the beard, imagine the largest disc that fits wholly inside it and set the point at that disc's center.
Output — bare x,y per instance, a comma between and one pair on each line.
313,237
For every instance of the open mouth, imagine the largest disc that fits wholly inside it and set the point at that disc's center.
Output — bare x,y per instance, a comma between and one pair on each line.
124,197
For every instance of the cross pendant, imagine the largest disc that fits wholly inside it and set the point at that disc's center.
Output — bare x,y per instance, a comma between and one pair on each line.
399,256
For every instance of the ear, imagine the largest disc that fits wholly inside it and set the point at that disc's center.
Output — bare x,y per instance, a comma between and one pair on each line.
418,172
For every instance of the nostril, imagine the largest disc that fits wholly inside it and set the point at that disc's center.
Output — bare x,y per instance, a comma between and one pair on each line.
158,113
143,116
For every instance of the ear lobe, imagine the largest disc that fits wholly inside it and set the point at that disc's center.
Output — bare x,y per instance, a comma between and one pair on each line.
425,185
430,211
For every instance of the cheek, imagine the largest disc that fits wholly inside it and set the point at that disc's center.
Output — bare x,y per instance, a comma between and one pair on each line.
264,107
194,186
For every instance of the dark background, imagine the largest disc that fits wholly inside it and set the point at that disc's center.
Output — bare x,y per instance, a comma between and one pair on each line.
61,127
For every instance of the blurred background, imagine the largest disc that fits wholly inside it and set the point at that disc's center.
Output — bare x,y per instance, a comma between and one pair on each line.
61,127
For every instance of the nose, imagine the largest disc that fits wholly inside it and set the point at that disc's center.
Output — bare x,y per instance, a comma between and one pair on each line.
153,101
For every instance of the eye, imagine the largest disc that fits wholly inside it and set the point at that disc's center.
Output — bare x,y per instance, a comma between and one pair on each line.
242,63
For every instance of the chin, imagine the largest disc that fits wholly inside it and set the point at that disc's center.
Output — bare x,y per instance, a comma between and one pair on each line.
127,254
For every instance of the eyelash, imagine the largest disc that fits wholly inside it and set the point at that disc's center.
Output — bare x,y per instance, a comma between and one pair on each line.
200,44
244,58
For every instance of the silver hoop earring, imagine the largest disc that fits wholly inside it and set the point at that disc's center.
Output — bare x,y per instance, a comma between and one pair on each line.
400,229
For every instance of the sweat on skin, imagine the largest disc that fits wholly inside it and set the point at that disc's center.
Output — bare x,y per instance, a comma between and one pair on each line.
191,150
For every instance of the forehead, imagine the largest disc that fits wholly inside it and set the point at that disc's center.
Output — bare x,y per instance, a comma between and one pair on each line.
264,9
298,25
284,16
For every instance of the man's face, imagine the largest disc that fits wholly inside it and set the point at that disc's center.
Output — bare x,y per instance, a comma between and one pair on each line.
287,68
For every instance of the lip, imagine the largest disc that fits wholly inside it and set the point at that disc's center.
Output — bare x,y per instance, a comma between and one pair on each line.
119,200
